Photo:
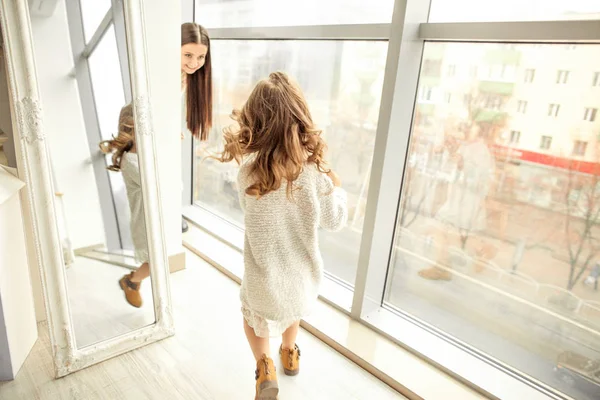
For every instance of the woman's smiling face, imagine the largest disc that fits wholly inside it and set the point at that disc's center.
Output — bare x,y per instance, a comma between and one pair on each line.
193,57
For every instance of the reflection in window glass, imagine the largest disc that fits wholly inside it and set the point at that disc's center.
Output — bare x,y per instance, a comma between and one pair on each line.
92,13
342,82
512,10
498,236
246,13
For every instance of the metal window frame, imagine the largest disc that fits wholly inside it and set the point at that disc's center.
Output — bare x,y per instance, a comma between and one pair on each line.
406,36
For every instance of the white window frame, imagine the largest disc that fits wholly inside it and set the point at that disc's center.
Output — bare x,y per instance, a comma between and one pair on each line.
406,35
596,79
522,106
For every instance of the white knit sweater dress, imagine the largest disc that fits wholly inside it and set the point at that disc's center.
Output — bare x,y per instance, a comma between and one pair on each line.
130,169
283,263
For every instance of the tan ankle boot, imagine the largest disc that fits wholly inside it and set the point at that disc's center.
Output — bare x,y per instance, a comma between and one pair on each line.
132,290
290,358
266,379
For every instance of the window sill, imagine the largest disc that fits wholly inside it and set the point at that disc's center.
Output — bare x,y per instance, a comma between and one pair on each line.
401,369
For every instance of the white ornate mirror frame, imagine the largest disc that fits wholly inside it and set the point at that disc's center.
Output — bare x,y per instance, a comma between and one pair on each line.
34,167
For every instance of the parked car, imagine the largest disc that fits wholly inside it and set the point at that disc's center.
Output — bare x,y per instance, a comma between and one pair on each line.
578,371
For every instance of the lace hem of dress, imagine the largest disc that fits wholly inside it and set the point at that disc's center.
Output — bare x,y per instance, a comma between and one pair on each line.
265,327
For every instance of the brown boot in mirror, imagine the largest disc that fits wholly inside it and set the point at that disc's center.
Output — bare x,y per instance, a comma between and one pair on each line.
290,359
132,290
266,379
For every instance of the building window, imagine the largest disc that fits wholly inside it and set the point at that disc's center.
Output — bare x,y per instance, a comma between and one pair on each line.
448,97
522,106
529,75
553,110
426,94
493,102
473,71
596,79
432,67
579,148
546,142
451,70
562,76
515,137
590,114
467,99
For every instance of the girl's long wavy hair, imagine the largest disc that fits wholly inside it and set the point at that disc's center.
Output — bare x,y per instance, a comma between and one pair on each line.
125,140
276,128
199,100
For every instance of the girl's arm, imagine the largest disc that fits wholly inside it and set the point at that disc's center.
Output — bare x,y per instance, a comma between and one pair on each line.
332,201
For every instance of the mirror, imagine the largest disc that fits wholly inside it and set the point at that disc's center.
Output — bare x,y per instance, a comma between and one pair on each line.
104,242
89,162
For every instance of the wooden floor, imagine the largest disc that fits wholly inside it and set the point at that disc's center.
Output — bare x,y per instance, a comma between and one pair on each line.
208,358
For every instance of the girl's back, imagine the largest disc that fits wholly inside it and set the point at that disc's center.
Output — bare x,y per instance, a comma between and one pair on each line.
283,263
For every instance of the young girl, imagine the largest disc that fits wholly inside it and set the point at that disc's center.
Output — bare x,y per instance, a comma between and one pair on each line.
125,160
287,194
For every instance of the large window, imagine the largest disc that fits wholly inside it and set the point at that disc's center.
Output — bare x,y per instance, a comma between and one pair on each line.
497,243
342,82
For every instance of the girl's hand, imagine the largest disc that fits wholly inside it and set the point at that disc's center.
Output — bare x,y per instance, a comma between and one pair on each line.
182,136
334,178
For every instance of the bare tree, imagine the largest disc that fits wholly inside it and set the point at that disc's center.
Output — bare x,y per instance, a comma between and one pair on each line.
582,213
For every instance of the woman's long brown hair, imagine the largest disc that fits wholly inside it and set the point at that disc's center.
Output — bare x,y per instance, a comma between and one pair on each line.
124,141
199,84
275,126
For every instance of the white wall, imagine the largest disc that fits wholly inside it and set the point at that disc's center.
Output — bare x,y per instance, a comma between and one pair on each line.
5,119
18,330
65,129
7,127
163,30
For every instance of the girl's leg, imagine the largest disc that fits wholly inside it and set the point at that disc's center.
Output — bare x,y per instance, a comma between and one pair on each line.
141,273
258,344
288,339
289,352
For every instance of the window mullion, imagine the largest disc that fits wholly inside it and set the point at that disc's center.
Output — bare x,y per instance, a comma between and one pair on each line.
391,147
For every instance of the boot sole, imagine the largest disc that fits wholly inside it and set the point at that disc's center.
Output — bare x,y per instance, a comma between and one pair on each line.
291,372
268,391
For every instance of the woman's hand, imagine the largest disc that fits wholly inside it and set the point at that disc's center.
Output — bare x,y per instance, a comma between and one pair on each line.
182,136
334,178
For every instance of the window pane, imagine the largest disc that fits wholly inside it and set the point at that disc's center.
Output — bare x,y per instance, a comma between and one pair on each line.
498,232
247,13
512,10
342,82
92,13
